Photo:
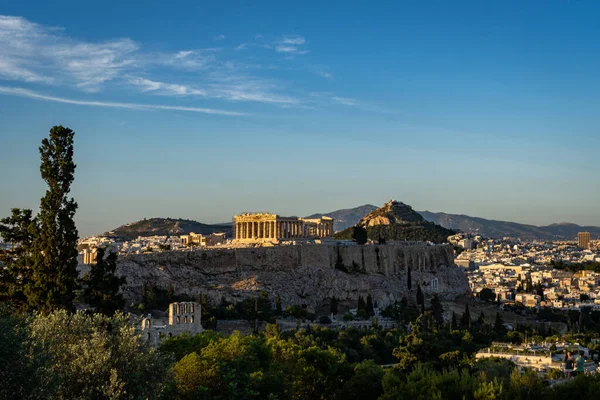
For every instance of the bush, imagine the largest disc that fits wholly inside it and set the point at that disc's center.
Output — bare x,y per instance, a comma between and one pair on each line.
95,356
324,319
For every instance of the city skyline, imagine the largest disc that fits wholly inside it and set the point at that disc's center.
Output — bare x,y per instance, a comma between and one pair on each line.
488,111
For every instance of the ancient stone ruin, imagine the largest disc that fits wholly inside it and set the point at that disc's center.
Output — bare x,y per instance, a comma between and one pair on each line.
183,317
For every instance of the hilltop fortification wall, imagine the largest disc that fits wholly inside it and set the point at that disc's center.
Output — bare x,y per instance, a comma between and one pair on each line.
302,274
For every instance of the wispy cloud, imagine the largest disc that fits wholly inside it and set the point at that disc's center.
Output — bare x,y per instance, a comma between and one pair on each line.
290,45
31,52
167,89
330,98
296,41
344,100
42,55
132,106
192,60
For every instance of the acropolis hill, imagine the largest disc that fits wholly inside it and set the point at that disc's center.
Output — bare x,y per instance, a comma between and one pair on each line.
301,274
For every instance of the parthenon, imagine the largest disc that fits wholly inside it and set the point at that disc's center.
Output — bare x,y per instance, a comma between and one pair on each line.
266,227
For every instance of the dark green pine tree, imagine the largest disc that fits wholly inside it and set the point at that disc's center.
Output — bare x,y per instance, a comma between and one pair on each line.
453,324
102,291
369,305
54,270
409,279
359,234
278,308
170,293
19,232
361,304
465,320
481,322
499,324
420,297
529,285
437,310
333,306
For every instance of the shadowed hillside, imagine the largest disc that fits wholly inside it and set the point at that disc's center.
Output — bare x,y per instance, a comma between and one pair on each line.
167,227
498,229
347,217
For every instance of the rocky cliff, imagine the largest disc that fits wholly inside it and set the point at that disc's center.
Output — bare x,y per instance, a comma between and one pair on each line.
308,274
392,212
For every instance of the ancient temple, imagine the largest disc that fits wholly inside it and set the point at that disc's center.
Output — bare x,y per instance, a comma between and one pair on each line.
266,227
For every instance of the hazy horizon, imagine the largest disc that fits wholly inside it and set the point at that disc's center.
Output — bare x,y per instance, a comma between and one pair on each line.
203,111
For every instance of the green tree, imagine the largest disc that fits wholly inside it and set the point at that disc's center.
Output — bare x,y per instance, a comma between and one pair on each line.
20,361
487,294
465,320
499,328
420,297
453,324
369,305
409,278
333,306
359,235
365,384
19,231
278,309
170,292
529,285
96,356
103,285
54,270
437,310
189,374
361,304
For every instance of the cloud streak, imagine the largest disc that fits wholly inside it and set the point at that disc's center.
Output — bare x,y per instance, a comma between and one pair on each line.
21,92
42,55
34,53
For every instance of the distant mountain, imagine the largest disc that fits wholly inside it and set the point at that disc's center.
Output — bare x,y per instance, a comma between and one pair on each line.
398,221
167,227
347,217
498,229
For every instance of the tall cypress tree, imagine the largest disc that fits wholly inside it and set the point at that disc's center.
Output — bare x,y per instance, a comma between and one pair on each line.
103,284
369,305
278,308
409,278
465,320
361,304
453,324
333,306
54,270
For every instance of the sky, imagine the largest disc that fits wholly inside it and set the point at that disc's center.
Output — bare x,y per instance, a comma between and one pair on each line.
203,110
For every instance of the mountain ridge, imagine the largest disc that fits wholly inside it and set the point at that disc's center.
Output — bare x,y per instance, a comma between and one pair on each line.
159,226
347,217
496,229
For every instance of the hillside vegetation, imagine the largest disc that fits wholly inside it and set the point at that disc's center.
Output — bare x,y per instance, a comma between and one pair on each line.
167,227
398,221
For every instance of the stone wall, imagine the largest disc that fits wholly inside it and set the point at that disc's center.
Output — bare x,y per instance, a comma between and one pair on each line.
302,274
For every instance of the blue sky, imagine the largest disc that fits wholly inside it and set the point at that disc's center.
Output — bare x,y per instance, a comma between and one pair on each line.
204,110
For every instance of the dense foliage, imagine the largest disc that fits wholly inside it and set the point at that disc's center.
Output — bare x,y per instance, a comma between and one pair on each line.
102,284
412,231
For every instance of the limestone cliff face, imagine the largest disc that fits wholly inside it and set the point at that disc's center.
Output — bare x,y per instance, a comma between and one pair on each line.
308,274
392,212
